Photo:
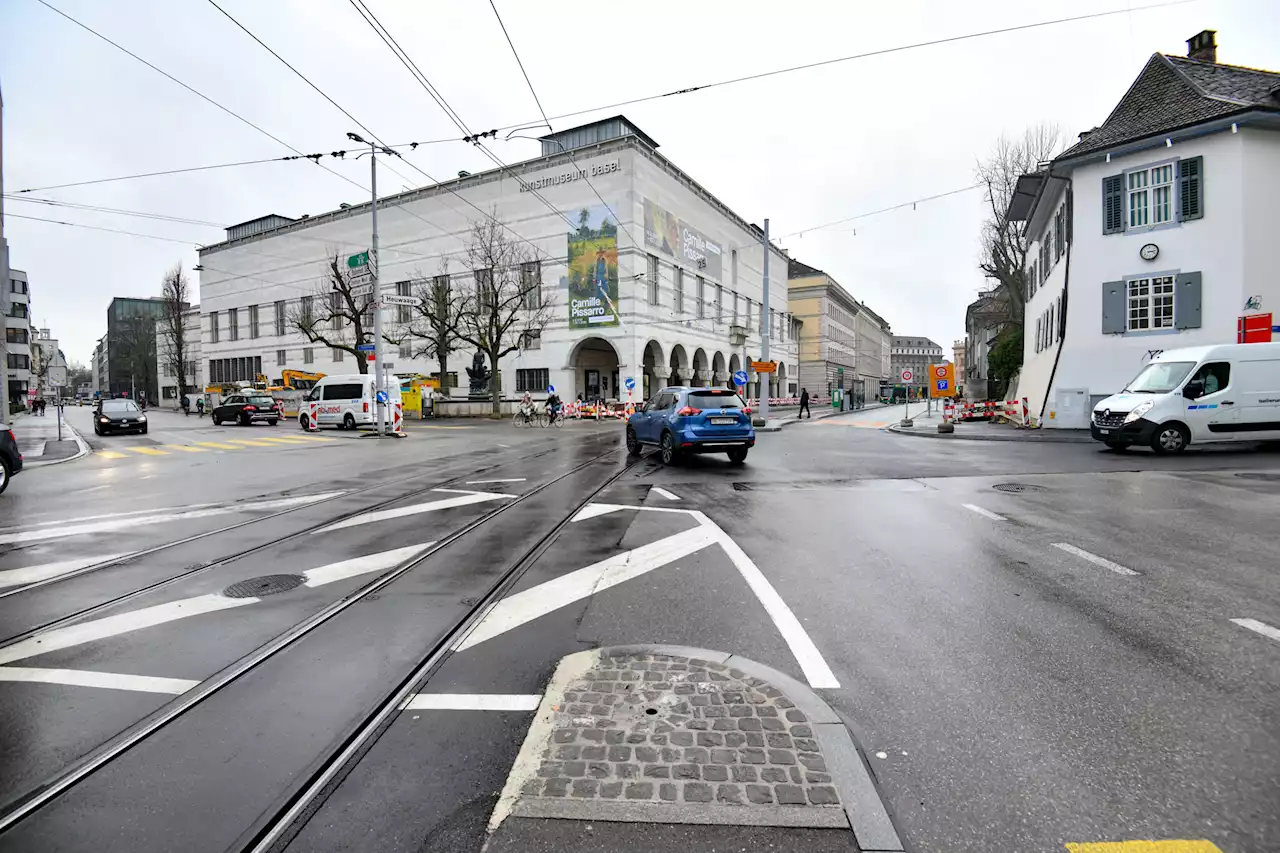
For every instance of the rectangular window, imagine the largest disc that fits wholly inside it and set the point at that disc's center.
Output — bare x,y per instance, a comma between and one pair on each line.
702,297
233,323
253,321
16,286
1032,281
733,268
280,358
406,349
403,288
338,354
746,313
280,318
213,327
531,285
532,379
1150,196
1150,303
306,311
484,288
335,309
531,339
719,302
19,361
308,355
653,279
678,289
16,336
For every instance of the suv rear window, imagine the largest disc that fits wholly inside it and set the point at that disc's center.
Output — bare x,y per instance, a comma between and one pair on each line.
716,399
262,401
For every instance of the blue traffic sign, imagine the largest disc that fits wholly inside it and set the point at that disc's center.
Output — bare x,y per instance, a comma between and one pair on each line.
630,383
382,397
367,347
551,389
943,385
740,377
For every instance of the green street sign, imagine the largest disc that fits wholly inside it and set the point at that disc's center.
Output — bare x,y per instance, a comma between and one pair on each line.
358,260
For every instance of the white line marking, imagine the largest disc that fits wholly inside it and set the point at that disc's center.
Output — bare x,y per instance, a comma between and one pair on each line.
464,499
483,482
540,600
108,680
159,614
62,531
665,493
1261,627
592,510
1094,558
807,655
472,702
988,513
31,574
505,445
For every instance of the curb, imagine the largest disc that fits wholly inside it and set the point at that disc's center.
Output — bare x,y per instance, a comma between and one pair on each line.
1066,439
81,444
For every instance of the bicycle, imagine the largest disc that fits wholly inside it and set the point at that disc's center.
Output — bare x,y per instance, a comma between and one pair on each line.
529,418
555,419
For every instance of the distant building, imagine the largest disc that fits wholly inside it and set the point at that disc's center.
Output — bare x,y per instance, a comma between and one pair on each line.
916,354
18,339
843,343
99,366
984,320
48,366
957,358
193,367
131,361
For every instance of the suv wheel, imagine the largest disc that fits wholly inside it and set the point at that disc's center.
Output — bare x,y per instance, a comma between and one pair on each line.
217,421
668,447
245,420
4,475
633,443
738,455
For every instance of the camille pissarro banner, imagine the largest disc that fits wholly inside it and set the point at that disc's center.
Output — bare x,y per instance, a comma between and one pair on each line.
593,269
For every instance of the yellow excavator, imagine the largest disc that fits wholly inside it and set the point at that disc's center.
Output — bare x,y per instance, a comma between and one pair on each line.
299,380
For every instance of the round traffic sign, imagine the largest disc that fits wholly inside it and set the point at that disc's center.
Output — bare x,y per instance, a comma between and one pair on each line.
740,377
907,375
630,383
940,371
551,389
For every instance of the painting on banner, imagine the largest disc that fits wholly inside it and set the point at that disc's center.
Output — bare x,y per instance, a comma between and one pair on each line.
593,269
680,240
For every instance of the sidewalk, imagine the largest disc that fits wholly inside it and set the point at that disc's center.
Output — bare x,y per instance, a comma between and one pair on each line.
38,440
926,426
792,412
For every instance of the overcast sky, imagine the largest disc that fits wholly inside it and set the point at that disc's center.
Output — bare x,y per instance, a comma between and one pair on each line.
803,148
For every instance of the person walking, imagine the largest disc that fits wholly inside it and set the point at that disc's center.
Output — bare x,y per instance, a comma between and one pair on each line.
804,403
186,405
200,406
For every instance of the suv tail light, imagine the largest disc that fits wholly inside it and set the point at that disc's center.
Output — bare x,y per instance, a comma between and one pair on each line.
250,408
689,410
746,410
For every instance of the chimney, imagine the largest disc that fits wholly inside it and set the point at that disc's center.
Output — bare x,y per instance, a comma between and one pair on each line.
1203,46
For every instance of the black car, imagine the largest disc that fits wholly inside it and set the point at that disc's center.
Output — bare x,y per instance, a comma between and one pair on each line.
118,416
10,457
244,409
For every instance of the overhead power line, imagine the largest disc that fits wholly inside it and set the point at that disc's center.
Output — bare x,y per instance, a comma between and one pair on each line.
115,210
110,230
898,206
156,174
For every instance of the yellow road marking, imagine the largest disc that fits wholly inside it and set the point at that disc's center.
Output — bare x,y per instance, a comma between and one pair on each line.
1172,846
249,443
112,454
218,446
186,447
282,439
149,451
313,438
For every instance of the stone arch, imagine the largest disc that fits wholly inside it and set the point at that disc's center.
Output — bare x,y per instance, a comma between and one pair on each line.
594,363
718,374
782,390
654,368
701,367
681,373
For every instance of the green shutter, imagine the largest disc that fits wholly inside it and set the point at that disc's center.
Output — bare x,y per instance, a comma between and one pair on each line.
1191,188
1113,204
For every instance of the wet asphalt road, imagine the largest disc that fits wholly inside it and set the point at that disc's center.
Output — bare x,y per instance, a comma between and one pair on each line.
1023,669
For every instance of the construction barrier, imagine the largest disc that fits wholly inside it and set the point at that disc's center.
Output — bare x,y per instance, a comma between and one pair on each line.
397,418
313,416
1012,411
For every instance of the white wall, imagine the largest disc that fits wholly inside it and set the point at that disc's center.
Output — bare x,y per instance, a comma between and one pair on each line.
1033,379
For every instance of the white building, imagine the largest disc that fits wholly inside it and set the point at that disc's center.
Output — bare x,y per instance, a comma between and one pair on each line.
1154,231
687,270
48,366
193,364
18,338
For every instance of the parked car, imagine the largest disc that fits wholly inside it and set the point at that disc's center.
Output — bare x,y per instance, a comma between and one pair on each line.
245,409
346,402
10,457
118,416
693,420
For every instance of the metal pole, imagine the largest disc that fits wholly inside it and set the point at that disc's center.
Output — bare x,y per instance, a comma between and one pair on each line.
764,330
379,374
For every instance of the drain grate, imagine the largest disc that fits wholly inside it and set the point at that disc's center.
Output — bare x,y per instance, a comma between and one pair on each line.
1259,475
1018,488
265,585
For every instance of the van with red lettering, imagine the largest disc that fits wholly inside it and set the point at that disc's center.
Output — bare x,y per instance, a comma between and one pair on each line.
348,401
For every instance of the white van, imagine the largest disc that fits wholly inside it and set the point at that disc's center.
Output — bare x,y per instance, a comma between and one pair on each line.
348,401
1193,395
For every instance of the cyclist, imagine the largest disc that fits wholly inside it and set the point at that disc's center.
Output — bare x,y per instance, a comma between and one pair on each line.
526,407
553,406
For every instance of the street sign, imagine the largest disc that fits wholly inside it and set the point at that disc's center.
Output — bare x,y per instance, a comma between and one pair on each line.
399,300
382,397
367,348
764,366
358,260
740,377
907,375
942,380
362,289
388,365
630,383
551,389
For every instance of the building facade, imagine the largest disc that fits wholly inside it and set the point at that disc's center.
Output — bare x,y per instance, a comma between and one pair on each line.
18,339
957,358
843,343
984,320
99,367
48,366
1154,231
193,366
647,275
131,360
913,353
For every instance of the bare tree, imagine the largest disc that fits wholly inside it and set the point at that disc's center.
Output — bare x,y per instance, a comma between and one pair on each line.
1004,245
175,292
504,305
333,317
433,321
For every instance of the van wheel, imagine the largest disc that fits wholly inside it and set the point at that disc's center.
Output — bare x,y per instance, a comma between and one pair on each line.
4,475
1170,438
349,422
303,422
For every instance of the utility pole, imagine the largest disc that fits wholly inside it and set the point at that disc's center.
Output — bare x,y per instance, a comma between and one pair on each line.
764,330
379,371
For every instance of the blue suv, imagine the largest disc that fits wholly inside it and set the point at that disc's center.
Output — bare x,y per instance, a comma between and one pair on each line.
693,420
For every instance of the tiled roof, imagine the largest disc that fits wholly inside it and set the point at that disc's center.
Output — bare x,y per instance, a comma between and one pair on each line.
796,269
1174,92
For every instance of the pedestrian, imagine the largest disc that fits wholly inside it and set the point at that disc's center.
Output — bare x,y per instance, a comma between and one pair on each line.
200,406
186,405
804,403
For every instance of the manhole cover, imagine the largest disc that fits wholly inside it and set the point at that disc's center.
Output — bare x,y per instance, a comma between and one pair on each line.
1017,488
1258,475
265,585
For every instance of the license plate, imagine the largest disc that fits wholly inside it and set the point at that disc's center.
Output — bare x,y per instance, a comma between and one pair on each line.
723,421
125,421
1105,431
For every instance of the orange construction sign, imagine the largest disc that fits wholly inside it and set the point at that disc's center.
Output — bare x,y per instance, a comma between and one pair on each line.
942,380
764,366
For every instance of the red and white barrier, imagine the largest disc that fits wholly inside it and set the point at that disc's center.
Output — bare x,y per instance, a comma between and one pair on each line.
313,416
397,419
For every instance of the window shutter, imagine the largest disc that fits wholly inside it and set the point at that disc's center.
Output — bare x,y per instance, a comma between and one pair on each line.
1191,189
1186,300
1113,308
1113,204
1070,205
1038,321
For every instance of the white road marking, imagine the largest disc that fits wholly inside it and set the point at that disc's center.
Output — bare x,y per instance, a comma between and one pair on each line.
505,445
159,614
540,600
980,511
1261,627
483,482
108,680
463,499
665,493
592,510
472,702
806,653
31,574
48,530
1094,558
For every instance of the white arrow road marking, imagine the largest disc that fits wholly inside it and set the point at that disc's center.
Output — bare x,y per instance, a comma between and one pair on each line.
665,493
472,702
31,574
1094,558
159,614
1261,627
540,600
48,531
592,510
482,482
463,499
108,680
986,512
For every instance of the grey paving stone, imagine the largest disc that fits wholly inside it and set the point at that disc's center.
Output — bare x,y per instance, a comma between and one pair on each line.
790,795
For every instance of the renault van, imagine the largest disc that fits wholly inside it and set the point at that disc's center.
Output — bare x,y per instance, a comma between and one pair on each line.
1196,395
346,401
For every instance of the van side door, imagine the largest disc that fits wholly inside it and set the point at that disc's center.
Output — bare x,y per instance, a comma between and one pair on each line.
1213,415
1257,399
